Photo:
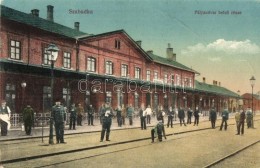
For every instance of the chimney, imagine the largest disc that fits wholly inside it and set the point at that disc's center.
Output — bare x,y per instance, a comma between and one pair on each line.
204,80
76,26
50,13
150,52
35,12
139,42
169,53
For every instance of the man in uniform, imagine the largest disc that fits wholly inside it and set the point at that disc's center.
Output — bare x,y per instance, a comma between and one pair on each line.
189,113
91,112
225,114
181,116
249,117
196,116
241,123
80,114
5,114
130,111
170,117
28,119
73,116
59,117
106,124
213,117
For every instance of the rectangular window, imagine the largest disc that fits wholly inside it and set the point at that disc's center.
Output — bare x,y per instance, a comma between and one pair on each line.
10,96
117,44
91,64
178,80
190,82
15,50
47,104
148,75
155,76
66,95
137,73
165,78
172,80
109,68
66,60
46,55
109,97
124,70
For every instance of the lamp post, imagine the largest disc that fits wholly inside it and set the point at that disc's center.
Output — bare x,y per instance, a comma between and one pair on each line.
252,82
238,95
53,55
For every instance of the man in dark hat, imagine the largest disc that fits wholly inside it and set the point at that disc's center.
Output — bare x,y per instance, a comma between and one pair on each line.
213,117
106,123
59,117
28,119
5,114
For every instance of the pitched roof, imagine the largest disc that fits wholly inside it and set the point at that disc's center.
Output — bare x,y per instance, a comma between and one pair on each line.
166,61
116,32
29,19
214,89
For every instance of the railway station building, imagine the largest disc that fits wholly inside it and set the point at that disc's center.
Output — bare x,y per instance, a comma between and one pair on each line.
93,69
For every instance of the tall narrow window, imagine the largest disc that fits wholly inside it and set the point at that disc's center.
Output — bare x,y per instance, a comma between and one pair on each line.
178,80
155,76
109,68
15,49
165,78
66,60
172,80
137,73
45,58
66,95
10,96
190,82
109,97
47,104
91,64
124,70
148,75
117,44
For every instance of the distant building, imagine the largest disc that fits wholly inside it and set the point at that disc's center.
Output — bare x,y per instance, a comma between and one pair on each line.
247,101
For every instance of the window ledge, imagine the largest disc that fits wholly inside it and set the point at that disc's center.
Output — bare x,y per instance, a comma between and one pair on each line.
15,60
71,69
92,72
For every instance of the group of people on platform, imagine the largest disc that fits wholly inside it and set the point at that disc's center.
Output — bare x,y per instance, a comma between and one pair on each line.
106,113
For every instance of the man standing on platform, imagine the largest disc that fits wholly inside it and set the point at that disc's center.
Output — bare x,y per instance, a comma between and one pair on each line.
28,119
106,123
130,112
225,115
213,117
91,112
189,113
80,114
241,122
59,117
5,114
181,115
73,116
196,116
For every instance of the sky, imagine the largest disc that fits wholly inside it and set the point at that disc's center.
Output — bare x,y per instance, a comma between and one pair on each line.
219,39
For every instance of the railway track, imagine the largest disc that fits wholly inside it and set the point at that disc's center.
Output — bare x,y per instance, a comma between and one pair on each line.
215,163
199,131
